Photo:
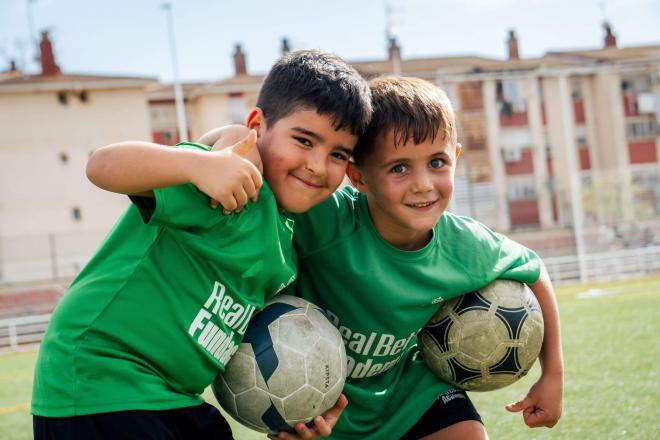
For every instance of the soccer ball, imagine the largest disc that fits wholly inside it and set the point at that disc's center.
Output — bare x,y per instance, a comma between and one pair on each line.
486,339
290,367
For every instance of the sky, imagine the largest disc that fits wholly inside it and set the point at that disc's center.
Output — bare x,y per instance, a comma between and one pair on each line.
130,37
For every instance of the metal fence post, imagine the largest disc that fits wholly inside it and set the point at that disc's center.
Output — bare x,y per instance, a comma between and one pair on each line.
53,256
13,337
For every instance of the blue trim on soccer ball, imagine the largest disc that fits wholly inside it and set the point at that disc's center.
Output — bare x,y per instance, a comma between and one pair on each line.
274,420
258,336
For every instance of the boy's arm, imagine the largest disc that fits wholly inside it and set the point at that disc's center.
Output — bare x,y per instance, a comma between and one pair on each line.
543,404
136,168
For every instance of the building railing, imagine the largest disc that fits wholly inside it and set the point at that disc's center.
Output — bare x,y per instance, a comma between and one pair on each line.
22,331
605,266
28,330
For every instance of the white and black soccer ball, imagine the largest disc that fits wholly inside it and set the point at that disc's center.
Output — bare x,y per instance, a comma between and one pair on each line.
486,339
290,367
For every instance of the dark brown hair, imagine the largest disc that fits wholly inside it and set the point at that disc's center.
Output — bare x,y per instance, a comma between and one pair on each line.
321,81
412,108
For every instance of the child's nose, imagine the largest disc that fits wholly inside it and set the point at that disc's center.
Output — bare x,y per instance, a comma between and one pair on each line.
316,163
423,182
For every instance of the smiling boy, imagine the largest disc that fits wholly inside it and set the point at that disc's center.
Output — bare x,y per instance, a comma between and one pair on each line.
382,256
162,306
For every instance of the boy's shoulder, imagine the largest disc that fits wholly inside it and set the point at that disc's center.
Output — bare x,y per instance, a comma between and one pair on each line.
342,202
461,223
332,220
464,230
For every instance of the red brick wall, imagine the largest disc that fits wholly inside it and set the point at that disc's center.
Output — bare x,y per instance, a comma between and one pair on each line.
643,152
516,119
524,166
630,107
29,302
524,212
585,158
578,111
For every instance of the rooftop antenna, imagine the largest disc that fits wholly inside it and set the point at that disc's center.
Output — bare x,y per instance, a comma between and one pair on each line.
389,36
602,4
388,20
34,43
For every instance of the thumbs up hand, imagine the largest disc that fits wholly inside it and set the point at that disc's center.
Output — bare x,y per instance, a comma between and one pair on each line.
231,176
245,148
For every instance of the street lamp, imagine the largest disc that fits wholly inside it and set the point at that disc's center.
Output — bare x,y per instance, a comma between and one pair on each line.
178,92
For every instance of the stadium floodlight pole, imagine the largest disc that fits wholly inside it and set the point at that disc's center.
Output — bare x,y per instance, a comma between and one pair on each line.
181,123
575,184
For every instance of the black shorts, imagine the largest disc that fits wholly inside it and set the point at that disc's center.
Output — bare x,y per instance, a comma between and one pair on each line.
194,422
451,407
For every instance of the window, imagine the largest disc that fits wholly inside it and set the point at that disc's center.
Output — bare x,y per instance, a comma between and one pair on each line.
641,129
76,213
62,97
576,90
511,154
521,189
237,108
646,176
509,97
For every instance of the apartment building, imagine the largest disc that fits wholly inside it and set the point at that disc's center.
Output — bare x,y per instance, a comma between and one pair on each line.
570,136
529,127
50,124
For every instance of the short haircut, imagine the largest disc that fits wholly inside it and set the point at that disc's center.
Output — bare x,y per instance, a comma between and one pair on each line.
315,80
412,108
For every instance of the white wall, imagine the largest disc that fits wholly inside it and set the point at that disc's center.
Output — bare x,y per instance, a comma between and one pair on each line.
38,190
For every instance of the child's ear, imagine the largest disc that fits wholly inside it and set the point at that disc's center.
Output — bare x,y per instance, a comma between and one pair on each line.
256,120
357,178
458,149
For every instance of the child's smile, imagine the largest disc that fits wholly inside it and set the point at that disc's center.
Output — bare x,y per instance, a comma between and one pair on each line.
304,157
408,188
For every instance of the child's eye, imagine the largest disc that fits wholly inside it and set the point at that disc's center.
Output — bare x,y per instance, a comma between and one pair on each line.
436,163
303,141
340,156
399,169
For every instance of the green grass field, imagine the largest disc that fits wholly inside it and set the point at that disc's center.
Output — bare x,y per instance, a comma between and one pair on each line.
612,375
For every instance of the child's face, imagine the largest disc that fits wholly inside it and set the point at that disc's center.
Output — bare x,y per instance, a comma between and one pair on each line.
304,157
408,188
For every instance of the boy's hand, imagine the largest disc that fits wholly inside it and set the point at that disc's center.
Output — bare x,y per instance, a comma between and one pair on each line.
322,424
231,135
543,404
228,177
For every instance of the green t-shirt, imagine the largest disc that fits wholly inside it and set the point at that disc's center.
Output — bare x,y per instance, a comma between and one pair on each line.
380,297
162,306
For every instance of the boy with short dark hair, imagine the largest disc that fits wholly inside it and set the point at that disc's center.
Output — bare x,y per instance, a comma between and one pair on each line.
162,306
381,259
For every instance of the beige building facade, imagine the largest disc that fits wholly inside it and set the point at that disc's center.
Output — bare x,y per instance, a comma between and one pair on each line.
51,216
529,127
548,142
